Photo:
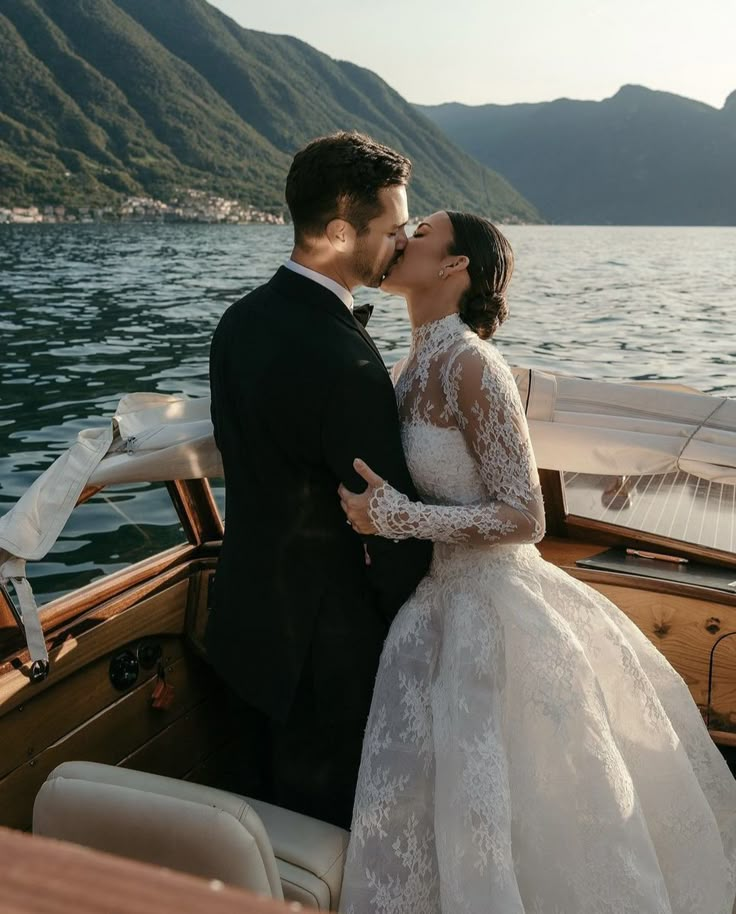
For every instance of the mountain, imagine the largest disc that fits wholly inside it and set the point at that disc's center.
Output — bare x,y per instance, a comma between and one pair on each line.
103,97
638,158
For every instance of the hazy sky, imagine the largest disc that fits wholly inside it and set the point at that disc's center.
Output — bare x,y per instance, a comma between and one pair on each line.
475,51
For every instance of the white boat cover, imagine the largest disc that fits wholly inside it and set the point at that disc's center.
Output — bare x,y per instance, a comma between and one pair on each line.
598,427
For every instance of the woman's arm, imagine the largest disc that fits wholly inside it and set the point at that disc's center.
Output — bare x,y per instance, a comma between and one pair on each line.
484,401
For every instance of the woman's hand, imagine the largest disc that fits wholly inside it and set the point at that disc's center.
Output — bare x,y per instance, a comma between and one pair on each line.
356,506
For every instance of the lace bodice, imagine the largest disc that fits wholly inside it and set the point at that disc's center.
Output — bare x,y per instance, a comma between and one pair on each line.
466,442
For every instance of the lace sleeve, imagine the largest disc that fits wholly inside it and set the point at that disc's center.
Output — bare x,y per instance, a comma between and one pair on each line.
482,397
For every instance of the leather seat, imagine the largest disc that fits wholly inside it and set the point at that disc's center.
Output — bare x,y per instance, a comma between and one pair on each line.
199,830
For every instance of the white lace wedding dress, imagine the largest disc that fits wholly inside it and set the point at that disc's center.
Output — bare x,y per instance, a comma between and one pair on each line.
528,750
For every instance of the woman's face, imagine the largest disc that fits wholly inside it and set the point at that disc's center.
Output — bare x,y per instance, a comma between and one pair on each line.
424,256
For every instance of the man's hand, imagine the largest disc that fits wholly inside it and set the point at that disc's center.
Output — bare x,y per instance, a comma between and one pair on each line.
356,506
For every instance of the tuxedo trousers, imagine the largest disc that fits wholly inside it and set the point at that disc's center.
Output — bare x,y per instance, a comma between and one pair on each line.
307,763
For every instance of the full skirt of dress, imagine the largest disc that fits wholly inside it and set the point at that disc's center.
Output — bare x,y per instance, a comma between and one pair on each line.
529,751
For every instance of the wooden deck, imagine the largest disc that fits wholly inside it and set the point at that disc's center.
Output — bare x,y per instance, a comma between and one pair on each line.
41,876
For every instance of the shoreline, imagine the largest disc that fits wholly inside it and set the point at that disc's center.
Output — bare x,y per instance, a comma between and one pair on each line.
189,206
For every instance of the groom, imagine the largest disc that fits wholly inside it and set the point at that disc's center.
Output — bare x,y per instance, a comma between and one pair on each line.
299,390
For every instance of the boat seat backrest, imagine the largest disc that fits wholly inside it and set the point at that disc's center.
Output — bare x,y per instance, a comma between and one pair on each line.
196,829
135,815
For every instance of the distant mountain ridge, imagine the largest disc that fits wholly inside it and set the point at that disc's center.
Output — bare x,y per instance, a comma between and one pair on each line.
103,97
639,158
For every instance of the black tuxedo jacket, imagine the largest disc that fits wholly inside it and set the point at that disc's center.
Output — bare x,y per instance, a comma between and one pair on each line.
298,391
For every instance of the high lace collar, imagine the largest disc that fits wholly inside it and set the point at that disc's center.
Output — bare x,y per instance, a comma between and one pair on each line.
432,338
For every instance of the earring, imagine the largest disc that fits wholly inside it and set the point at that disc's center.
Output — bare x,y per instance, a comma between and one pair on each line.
441,274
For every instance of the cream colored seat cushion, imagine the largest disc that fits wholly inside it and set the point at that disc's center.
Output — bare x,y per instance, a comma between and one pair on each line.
310,855
209,833
197,829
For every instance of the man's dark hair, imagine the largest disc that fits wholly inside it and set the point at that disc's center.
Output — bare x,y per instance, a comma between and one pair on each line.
339,177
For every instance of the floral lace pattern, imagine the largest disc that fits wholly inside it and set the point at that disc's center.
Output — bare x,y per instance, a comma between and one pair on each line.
463,383
528,750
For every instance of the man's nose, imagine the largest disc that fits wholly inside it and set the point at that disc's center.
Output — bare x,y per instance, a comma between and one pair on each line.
401,239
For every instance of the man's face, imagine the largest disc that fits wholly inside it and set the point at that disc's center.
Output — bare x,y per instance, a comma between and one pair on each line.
378,248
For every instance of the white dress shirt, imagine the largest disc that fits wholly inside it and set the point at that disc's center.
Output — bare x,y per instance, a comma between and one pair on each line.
342,293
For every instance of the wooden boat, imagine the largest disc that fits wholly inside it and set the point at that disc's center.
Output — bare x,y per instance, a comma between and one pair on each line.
77,880
128,683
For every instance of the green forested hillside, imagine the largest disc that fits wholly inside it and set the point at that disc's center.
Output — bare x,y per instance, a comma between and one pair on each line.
638,158
102,97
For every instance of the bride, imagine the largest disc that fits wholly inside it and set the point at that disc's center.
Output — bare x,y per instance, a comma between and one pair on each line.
528,751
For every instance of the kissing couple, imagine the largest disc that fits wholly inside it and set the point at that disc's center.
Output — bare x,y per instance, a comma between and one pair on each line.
499,737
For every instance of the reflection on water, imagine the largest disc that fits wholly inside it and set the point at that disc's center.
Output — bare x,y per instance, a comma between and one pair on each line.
88,313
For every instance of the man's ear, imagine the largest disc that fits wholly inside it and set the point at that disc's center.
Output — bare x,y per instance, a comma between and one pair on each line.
341,235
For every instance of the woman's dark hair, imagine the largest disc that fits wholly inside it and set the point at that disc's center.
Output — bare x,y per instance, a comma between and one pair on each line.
483,305
339,177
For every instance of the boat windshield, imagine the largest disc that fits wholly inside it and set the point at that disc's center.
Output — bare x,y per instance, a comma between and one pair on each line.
675,506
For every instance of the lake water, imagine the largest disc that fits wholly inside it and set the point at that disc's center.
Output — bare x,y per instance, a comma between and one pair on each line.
88,313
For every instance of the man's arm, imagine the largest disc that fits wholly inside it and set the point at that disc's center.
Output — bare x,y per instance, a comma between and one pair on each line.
360,420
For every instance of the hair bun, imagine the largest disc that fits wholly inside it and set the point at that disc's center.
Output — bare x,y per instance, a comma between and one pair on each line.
484,314
490,264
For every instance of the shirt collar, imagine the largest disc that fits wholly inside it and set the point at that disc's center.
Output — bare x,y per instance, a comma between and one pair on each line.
342,293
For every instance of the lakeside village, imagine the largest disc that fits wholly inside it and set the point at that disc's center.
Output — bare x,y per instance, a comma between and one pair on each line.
190,206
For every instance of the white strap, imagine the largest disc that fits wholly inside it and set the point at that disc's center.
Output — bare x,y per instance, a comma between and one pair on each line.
13,571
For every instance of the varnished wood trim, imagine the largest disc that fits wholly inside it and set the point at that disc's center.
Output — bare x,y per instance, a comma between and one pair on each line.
87,493
11,640
94,616
198,609
185,744
60,611
555,505
210,549
9,615
160,614
50,715
41,876
613,535
196,508
108,737
564,553
653,585
10,624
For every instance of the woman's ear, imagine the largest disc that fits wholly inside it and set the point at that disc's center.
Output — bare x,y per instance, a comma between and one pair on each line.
341,235
458,263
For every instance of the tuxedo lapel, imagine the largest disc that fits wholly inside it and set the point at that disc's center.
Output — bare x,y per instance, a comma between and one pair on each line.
300,288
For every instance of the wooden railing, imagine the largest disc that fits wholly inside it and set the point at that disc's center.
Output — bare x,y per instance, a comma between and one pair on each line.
40,876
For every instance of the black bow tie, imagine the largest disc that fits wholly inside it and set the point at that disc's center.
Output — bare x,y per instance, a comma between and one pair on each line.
362,314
